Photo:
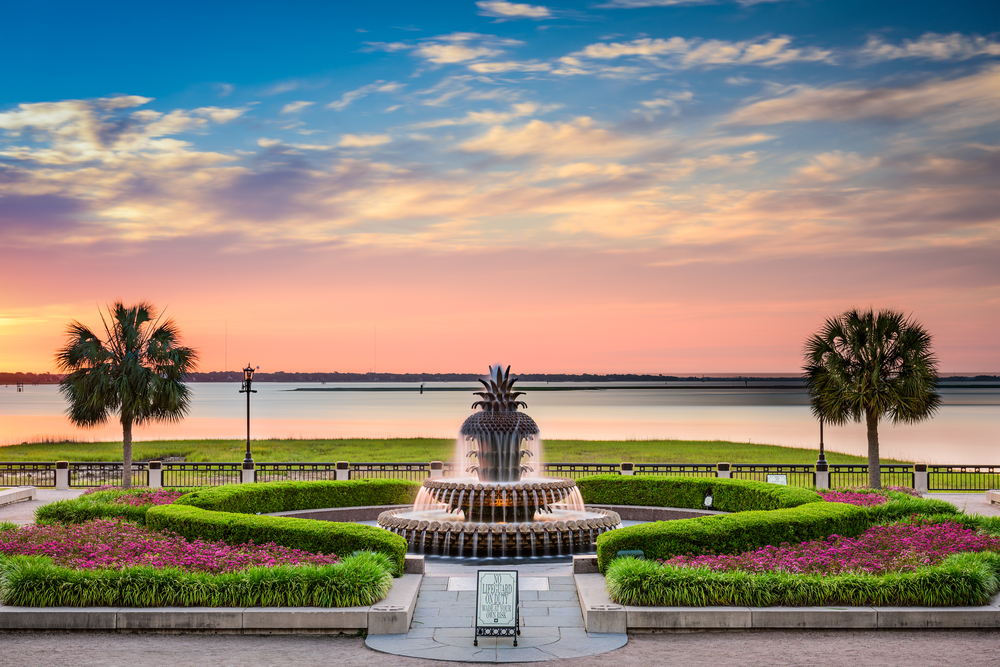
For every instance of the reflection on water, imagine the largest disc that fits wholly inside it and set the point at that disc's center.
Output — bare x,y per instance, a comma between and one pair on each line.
965,430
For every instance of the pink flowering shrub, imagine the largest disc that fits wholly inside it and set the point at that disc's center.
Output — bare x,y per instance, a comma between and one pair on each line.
135,497
852,497
157,497
898,547
862,495
106,544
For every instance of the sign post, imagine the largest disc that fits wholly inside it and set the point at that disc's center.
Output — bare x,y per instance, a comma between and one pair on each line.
497,605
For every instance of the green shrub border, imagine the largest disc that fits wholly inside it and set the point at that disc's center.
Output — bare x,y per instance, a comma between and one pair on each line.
960,580
728,495
99,505
230,514
342,539
34,581
762,514
270,497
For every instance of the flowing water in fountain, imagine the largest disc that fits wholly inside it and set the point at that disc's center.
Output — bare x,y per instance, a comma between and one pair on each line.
499,505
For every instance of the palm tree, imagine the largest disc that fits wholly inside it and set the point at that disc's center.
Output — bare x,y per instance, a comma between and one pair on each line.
136,373
875,366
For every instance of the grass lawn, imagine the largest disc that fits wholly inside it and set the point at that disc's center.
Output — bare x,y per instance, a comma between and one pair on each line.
421,449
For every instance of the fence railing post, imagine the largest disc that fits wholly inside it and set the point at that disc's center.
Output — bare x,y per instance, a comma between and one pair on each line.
723,470
920,478
343,471
627,468
62,475
155,475
249,475
822,475
437,469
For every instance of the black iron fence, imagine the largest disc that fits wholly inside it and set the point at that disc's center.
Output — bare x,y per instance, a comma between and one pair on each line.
893,474
105,473
940,478
787,474
300,472
578,470
963,478
42,475
416,472
201,474
676,469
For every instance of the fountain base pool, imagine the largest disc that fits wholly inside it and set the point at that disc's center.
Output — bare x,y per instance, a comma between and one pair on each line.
531,518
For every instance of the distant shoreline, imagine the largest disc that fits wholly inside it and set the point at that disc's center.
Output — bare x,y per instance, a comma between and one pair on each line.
795,381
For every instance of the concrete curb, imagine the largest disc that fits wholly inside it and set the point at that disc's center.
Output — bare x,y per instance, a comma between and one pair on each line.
601,614
391,615
17,494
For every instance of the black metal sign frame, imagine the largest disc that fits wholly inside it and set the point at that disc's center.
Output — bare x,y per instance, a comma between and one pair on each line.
497,630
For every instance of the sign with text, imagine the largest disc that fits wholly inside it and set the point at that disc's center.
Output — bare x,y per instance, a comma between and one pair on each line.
497,613
778,479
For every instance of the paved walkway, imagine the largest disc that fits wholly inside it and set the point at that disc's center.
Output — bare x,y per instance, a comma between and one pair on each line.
829,648
970,503
551,622
24,511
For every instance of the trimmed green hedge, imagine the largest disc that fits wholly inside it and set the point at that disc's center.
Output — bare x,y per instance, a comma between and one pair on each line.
964,579
269,497
761,514
99,505
326,537
733,533
34,581
728,495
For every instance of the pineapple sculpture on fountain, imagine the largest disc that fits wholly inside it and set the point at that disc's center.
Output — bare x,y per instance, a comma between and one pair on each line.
507,509
499,430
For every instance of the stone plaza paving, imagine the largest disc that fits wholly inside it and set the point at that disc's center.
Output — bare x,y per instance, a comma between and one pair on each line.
551,623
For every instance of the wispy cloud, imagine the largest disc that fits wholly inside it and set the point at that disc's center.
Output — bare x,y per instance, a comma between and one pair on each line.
836,166
510,66
967,101
930,46
363,140
581,137
292,107
461,47
351,96
488,117
654,107
513,10
681,53
107,129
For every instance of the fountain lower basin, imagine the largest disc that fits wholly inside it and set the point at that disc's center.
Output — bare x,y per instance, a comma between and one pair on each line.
555,532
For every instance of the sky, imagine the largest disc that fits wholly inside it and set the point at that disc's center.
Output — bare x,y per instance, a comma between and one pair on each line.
648,186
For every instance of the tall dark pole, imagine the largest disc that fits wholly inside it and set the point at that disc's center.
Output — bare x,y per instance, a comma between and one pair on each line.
247,384
822,456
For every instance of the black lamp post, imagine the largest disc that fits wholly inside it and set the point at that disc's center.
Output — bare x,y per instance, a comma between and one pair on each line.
822,456
247,383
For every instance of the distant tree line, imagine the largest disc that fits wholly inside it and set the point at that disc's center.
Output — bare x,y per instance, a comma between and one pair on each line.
281,376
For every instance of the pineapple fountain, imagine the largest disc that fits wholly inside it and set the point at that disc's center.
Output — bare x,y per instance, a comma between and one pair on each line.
504,510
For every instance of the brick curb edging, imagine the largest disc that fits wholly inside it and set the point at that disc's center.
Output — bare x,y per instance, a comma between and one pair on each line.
392,615
601,614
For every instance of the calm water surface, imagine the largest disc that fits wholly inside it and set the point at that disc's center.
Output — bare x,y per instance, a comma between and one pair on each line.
965,430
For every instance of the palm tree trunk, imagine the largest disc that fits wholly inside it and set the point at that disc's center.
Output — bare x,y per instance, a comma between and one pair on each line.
874,472
126,453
